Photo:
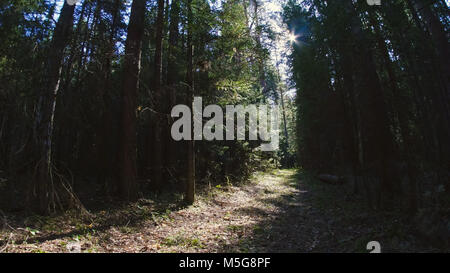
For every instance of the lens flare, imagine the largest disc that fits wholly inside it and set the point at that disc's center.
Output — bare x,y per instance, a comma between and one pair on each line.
292,37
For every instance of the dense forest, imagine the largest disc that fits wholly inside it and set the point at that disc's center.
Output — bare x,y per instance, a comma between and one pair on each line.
373,97
88,87
86,99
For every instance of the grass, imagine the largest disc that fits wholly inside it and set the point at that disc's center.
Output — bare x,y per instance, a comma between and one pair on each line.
181,240
235,228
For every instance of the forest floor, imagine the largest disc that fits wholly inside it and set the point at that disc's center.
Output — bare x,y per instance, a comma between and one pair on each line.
279,211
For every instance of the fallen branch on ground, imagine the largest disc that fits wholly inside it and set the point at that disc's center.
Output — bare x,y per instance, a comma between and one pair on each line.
331,179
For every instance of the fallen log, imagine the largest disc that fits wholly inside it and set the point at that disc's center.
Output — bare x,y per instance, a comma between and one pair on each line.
331,179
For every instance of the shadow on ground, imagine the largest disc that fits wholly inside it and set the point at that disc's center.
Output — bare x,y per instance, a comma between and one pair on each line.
310,216
70,224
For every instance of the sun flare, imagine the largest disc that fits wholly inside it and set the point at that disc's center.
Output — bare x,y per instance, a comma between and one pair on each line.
292,37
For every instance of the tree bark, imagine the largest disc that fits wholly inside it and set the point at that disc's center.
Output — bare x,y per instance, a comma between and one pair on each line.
172,79
159,101
441,96
105,135
262,75
173,43
402,115
190,185
44,191
128,187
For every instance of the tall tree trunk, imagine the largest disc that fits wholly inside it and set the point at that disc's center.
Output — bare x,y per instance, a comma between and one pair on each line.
440,40
441,96
283,109
105,135
44,190
262,75
172,79
173,43
159,102
402,115
107,117
128,187
358,162
64,139
190,185
377,138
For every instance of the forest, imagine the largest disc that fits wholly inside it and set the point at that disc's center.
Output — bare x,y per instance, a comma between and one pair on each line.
88,158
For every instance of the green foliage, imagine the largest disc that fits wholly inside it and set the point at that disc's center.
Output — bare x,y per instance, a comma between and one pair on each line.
231,65
180,240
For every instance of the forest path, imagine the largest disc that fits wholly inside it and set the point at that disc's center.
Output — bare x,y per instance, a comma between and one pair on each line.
271,213
265,214
280,211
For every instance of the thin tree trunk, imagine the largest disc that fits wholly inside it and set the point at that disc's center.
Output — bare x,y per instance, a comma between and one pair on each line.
262,75
44,190
159,102
173,43
190,185
282,105
172,78
284,116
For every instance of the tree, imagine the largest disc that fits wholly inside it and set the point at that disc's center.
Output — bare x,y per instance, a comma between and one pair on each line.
128,186
44,190
158,124
369,57
190,179
172,78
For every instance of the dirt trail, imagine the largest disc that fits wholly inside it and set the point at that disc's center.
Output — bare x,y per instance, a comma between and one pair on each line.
275,212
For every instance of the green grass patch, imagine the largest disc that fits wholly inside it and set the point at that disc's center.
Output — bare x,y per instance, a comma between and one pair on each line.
180,240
